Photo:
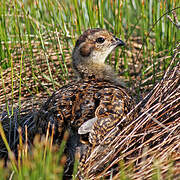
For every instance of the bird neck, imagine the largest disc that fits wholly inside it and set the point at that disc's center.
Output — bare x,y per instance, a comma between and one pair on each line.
98,71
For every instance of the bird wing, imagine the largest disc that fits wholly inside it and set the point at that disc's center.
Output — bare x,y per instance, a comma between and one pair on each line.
114,106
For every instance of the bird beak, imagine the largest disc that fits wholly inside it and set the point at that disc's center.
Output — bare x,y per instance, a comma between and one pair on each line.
119,42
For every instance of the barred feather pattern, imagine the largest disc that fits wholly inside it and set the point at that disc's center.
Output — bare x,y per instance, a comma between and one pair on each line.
153,134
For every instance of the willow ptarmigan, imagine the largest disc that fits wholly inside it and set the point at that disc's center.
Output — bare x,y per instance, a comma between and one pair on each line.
96,102
92,105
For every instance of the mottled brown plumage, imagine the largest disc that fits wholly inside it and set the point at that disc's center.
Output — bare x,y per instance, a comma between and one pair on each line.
90,107
93,105
80,101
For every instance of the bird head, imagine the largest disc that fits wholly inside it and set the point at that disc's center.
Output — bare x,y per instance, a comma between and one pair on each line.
94,45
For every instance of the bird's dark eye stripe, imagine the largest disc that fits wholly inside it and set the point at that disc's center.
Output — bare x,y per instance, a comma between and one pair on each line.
100,40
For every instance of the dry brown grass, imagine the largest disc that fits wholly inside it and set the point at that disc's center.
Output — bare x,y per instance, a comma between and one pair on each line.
152,141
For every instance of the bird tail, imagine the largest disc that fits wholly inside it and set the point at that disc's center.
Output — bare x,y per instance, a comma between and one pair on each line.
14,123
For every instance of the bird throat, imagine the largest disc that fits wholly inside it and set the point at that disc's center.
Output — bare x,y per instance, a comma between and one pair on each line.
98,71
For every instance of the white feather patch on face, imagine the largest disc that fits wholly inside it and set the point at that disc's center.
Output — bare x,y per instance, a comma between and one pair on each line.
100,56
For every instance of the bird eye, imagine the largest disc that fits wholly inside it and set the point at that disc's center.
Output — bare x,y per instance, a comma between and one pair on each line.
100,40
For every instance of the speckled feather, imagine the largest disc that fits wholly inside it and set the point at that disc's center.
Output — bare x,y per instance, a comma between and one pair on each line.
80,101
92,105
76,103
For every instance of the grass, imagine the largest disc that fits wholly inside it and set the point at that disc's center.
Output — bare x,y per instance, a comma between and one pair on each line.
152,136
36,41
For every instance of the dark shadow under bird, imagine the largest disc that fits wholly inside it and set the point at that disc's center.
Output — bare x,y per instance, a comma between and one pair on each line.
92,105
